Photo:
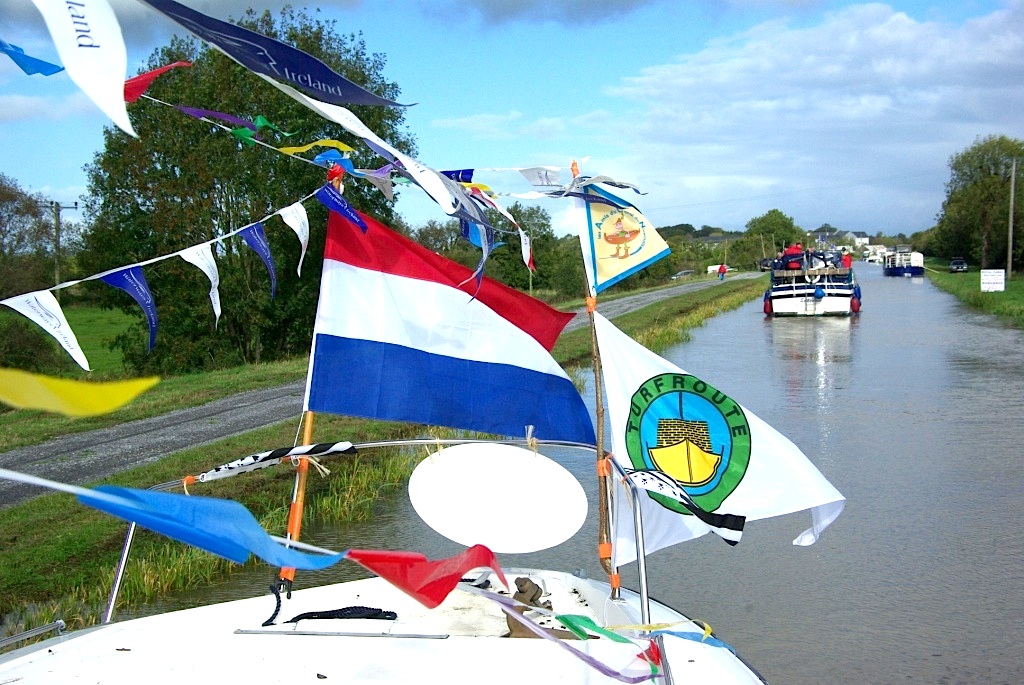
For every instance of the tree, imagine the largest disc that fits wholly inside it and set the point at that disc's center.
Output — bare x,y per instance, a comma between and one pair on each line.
26,240
776,227
184,182
763,237
974,214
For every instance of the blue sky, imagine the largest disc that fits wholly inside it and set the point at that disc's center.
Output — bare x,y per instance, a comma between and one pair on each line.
837,112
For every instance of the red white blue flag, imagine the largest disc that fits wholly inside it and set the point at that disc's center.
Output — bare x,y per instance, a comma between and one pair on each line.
403,334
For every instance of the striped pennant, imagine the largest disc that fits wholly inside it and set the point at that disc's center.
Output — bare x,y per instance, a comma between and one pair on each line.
729,527
262,460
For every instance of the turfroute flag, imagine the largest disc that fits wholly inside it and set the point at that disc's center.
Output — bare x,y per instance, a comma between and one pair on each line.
404,334
670,426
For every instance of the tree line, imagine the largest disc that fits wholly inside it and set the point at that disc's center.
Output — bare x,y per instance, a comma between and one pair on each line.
975,220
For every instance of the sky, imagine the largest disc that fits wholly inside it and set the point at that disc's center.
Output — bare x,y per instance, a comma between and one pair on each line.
844,113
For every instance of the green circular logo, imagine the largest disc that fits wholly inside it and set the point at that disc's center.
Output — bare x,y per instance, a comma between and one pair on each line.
688,430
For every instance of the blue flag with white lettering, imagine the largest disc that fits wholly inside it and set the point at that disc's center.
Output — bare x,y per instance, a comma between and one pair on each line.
271,58
256,239
331,198
134,283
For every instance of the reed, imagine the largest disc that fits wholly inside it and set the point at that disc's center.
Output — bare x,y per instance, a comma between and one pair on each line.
676,329
351,495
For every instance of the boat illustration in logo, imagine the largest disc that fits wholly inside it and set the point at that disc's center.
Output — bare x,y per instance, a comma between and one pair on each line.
683,451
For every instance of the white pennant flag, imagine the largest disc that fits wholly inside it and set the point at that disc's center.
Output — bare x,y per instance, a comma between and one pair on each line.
295,216
88,40
42,308
666,422
202,257
542,175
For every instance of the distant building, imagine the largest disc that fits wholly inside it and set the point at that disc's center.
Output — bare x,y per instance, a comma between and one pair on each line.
860,239
834,238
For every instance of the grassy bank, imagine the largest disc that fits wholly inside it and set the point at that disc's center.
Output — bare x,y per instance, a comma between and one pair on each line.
58,557
966,287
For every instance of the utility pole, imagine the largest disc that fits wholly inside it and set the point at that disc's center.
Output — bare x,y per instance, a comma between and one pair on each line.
57,207
1009,238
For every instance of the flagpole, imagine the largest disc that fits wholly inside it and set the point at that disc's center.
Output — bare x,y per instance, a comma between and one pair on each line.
604,493
287,575
604,545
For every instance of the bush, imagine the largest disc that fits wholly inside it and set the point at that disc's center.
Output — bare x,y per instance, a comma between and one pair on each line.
25,346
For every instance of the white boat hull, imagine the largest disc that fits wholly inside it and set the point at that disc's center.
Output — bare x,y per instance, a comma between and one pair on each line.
461,641
806,300
825,291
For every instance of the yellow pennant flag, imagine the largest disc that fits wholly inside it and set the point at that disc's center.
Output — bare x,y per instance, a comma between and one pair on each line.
336,144
25,390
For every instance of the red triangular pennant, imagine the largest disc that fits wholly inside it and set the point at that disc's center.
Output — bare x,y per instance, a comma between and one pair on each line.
428,582
137,85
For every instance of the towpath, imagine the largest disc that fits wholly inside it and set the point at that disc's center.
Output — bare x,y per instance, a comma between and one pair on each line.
94,455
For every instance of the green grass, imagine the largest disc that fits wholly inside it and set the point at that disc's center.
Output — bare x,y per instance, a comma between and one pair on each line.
966,287
19,428
95,328
56,550
58,557
671,316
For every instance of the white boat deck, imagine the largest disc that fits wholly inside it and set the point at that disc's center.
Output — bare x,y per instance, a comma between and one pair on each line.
461,641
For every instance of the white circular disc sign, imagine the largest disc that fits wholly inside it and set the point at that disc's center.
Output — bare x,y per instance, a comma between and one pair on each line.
508,498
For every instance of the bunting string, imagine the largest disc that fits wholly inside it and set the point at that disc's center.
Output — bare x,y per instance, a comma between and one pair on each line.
205,116
455,192
43,309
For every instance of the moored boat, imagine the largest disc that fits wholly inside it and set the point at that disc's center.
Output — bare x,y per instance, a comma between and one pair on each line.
903,261
812,285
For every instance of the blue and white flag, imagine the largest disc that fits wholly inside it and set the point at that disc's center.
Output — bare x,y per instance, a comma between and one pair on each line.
270,58
42,308
295,216
256,239
331,198
131,280
616,238
88,40
201,256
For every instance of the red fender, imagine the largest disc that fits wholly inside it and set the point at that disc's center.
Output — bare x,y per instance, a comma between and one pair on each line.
767,306
854,305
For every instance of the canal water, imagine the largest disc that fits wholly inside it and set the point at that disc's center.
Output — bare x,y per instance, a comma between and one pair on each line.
914,410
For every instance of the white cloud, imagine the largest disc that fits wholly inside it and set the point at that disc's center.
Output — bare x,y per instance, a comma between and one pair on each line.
16,108
482,125
865,106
